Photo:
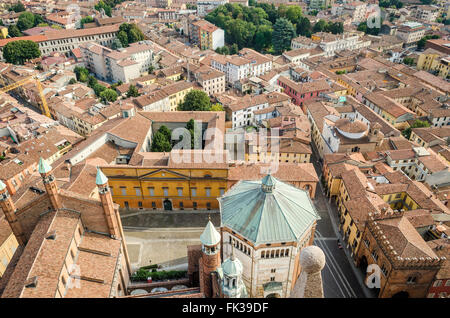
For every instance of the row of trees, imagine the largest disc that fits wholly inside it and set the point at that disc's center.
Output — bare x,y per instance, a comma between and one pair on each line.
264,27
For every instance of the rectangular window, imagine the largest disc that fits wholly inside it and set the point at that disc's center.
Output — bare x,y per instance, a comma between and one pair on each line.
208,206
151,191
138,191
222,191
180,192
166,192
111,189
208,192
123,190
154,205
140,204
181,206
194,205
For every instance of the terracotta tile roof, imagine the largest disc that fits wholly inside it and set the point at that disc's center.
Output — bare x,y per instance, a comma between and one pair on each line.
405,239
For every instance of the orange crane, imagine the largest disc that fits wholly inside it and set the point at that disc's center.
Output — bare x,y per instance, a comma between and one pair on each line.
44,107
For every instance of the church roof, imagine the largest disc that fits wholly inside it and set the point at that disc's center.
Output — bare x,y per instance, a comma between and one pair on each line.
210,236
101,179
268,211
44,167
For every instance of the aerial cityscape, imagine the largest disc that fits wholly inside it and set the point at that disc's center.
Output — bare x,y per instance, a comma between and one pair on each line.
224,149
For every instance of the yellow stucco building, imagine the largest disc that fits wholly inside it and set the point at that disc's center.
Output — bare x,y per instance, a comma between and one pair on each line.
163,187
8,245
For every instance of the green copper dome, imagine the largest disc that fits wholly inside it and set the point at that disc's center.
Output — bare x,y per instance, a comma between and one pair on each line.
268,211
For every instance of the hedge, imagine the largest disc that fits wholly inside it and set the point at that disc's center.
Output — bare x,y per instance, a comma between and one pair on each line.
142,275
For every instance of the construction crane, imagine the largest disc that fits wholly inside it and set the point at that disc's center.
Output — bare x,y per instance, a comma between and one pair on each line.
44,107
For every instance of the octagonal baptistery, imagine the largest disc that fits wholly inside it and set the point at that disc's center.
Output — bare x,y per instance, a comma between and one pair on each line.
268,222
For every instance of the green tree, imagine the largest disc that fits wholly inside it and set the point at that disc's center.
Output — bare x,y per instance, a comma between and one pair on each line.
234,49
363,27
132,91
72,81
87,19
98,89
408,61
18,52
166,132
263,37
160,143
283,32
421,43
117,44
151,69
417,124
14,31
320,26
25,21
217,108
123,38
18,7
108,95
294,13
102,5
304,27
129,33
224,50
195,100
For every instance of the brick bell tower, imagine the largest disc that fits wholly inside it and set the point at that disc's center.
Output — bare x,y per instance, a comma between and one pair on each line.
9,209
49,183
210,259
107,203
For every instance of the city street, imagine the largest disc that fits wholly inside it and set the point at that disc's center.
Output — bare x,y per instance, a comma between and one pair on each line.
340,277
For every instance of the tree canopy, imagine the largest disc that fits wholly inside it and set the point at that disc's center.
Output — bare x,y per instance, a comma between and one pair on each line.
18,52
283,33
129,33
417,124
108,95
28,20
14,31
162,140
195,100
18,7
363,27
254,26
132,91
